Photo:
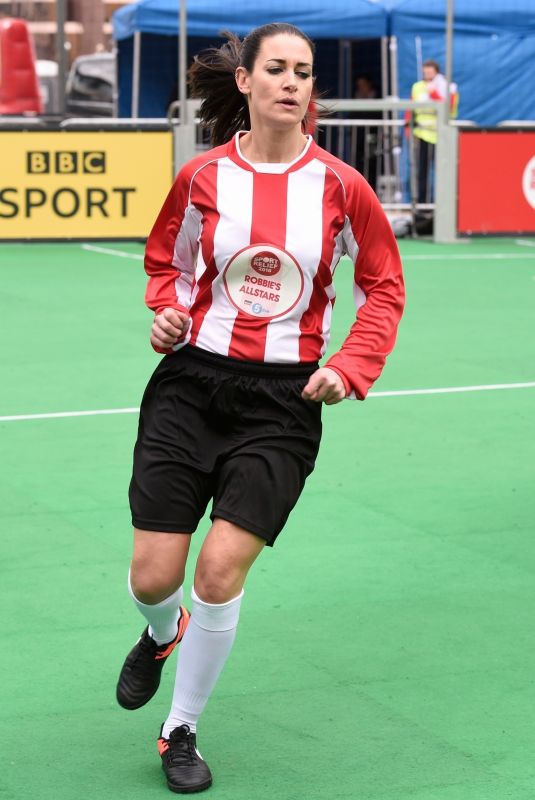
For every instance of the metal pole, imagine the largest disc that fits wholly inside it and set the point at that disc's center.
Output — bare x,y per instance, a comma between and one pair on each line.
413,177
384,67
387,133
394,132
136,71
115,95
419,57
449,53
393,46
386,91
445,222
61,53
182,61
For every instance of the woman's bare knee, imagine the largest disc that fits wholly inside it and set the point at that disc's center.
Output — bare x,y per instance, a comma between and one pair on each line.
152,587
215,583
158,564
224,561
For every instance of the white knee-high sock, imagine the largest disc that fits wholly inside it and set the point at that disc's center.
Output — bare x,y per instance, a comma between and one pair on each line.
202,655
162,617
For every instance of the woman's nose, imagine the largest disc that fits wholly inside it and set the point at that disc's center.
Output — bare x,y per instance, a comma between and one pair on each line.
290,81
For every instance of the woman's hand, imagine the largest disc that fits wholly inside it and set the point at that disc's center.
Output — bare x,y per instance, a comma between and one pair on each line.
168,328
324,385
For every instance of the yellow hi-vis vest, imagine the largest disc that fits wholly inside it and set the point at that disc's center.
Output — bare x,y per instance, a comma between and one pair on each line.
425,121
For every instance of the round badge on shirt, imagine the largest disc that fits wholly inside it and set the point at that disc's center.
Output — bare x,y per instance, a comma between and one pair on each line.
263,281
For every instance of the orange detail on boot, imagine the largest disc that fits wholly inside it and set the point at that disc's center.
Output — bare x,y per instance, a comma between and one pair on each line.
183,622
182,625
162,746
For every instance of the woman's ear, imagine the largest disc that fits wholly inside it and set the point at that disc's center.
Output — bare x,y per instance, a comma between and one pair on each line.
242,80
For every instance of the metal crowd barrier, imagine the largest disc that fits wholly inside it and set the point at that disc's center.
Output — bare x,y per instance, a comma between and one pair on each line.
371,135
374,137
369,146
55,123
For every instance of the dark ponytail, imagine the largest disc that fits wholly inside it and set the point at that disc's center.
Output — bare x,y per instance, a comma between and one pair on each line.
224,109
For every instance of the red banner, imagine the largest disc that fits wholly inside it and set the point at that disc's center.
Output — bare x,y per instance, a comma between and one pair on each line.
496,182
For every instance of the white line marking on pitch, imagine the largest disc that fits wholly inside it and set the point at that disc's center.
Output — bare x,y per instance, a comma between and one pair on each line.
107,251
416,257
455,389
525,242
58,414
469,257
396,393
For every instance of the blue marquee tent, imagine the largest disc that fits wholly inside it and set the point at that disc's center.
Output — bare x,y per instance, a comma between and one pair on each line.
336,19
493,44
157,21
493,53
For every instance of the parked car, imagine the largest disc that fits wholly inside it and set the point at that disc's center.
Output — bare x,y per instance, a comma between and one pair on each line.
91,86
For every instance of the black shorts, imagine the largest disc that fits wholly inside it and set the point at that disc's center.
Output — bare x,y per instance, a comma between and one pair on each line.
238,432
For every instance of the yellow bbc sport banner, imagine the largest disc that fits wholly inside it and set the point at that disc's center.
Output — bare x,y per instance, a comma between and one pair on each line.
83,185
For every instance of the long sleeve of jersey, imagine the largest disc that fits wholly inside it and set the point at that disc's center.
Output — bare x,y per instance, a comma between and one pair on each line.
378,289
171,251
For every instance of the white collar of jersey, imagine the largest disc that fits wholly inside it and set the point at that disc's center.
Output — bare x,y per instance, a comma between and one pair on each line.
274,168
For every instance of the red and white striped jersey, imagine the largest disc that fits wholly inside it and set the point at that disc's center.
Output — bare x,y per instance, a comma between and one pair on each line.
249,251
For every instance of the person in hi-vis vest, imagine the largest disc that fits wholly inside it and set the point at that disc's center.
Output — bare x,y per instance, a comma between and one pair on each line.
433,87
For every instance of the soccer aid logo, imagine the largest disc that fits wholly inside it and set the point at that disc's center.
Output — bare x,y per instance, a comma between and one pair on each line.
263,281
528,182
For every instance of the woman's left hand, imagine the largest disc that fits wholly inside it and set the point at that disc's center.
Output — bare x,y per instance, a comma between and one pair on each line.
325,385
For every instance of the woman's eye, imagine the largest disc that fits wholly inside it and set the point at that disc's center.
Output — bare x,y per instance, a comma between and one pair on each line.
278,70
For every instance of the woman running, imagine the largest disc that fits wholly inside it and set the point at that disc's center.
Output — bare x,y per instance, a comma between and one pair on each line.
240,264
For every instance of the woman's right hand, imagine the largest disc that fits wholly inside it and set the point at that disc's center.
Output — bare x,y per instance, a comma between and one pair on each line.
169,326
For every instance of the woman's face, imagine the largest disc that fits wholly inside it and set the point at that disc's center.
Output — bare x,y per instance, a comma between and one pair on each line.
280,85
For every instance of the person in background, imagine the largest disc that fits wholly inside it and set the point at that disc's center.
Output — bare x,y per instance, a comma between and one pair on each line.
240,262
365,88
433,86
366,137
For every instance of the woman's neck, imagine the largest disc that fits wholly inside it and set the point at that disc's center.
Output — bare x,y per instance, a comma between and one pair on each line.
272,147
